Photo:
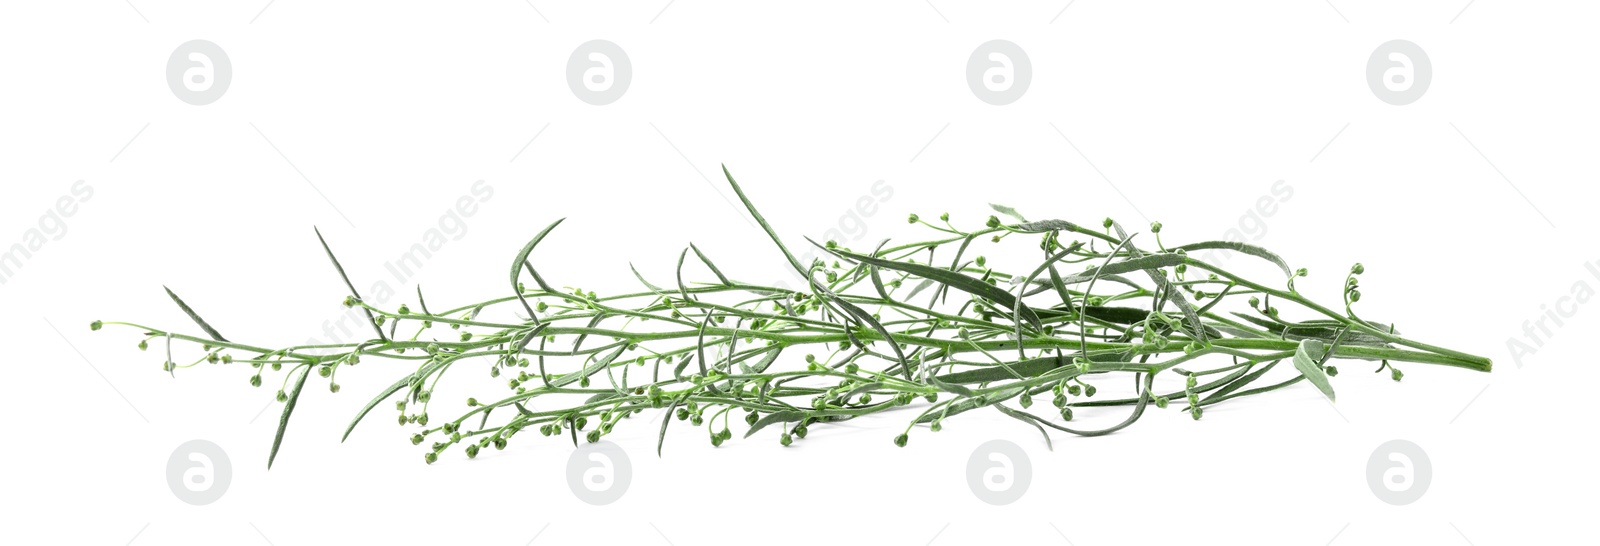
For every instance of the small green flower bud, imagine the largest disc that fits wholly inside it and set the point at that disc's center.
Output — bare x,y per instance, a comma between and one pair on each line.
333,387
1332,371
909,220
283,397
472,402
1255,301
901,439
255,380
472,451
499,443
144,345
1088,390
1161,402
992,222
1394,373
430,457
1355,296
1025,400
593,436
1300,272
981,261
1155,227
325,371
786,439
1066,414
800,431
1195,412
1358,269
1107,223
416,439
422,419
95,326
752,417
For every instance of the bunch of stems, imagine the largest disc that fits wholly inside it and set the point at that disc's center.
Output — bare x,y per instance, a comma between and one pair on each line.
928,328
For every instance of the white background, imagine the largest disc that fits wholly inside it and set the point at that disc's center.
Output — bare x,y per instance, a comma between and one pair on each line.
1471,209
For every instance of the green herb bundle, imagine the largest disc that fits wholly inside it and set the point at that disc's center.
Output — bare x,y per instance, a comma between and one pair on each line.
927,328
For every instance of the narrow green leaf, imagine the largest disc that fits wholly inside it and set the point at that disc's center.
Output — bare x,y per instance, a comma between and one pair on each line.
374,403
288,409
1196,327
877,280
1145,263
595,321
1239,383
522,261
955,265
766,361
1305,360
653,288
1116,315
1008,211
1029,419
599,397
523,342
1051,225
782,416
192,316
866,318
951,387
349,284
666,419
682,289
1250,249
422,302
712,266
953,279
1032,367
919,288
762,221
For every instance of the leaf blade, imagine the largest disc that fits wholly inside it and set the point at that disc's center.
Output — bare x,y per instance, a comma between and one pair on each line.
1306,357
195,317
522,261
288,409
